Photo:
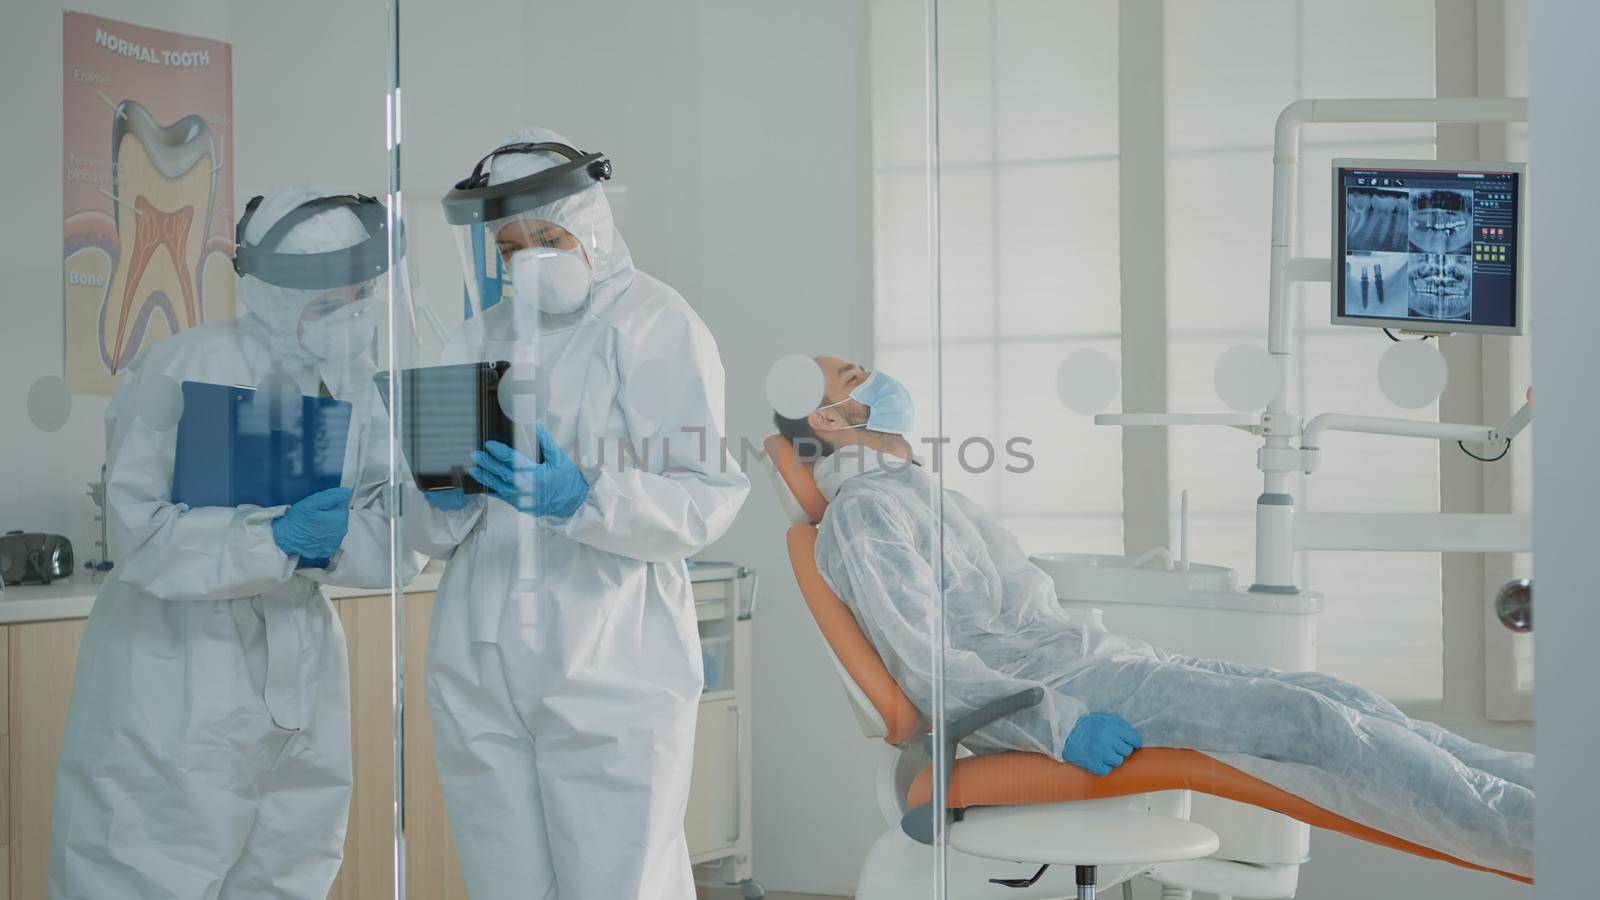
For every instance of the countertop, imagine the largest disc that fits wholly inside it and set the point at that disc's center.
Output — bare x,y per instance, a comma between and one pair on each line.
72,598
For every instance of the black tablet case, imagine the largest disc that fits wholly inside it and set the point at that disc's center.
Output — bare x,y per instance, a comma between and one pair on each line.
446,412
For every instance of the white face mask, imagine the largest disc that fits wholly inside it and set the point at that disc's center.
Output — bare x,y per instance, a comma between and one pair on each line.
550,279
341,335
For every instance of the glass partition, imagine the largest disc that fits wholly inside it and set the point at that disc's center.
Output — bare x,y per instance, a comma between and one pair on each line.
196,608
672,450
624,691
1186,531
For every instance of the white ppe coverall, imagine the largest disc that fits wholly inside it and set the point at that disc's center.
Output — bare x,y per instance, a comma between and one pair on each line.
207,747
564,670
1339,746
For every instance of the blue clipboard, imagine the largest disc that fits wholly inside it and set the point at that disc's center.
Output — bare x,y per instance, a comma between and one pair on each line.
233,450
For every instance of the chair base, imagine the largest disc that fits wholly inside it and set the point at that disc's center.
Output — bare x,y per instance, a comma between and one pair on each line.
898,868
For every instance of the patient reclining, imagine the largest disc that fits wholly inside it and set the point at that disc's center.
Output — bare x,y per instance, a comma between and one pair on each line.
1333,743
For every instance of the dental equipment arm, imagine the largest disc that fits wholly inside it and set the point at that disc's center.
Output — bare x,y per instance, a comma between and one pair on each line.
1444,431
1519,420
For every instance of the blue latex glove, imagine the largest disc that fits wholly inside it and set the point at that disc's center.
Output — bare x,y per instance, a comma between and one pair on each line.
1100,742
554,487
448,500
314,527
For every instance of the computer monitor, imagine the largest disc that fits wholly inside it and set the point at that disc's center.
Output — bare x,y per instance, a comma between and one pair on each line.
1424,246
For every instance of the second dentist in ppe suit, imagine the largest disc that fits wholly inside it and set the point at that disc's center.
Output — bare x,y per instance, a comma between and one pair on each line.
207,748
563,667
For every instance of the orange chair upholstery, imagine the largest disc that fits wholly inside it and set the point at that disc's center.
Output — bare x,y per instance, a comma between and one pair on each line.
839,628
796,476
1009,779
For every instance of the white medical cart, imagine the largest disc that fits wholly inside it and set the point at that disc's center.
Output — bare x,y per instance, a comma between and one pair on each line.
718,823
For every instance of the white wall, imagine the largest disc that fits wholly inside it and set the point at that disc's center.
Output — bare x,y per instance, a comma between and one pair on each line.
619,76
308,93
46,474
1565,130
787,269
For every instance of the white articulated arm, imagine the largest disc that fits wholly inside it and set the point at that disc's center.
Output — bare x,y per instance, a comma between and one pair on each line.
1514,425
1443,431
1311,439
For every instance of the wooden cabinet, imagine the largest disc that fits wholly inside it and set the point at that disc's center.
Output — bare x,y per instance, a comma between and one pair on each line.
36,669
39,671
368,869
37,661
432,870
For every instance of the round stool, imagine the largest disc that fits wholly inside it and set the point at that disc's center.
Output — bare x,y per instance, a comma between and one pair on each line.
1057,835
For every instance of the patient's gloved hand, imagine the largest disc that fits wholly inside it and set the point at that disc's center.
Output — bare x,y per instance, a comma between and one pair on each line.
1100,742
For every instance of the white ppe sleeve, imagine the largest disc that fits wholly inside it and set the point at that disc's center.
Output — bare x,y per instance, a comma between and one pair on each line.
679,489
363,559
436,532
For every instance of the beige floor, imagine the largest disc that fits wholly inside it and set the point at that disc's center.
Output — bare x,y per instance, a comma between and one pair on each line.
706,894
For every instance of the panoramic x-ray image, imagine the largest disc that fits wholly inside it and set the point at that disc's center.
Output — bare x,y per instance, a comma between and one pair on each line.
1375,220
1377,284
1441,286
1441,220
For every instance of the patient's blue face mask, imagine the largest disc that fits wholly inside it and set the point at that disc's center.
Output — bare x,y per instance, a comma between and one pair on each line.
888,403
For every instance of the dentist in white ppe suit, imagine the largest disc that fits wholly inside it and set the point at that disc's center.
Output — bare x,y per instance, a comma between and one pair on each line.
563,667
207,748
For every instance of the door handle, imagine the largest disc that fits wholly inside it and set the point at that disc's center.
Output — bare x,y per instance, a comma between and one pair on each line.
1513,605
747,601
738,774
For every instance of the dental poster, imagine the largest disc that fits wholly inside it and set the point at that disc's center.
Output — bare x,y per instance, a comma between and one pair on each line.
148,199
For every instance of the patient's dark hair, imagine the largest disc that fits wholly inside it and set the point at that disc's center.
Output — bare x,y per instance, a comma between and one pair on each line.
799,432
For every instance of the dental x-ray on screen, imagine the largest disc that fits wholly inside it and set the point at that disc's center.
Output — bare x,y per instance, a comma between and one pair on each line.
1428,246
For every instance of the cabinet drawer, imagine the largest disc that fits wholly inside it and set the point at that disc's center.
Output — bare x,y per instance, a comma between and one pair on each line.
712,822
712,591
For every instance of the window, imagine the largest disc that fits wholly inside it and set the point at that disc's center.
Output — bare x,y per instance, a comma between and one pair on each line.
1034,182
1225,87
1029,229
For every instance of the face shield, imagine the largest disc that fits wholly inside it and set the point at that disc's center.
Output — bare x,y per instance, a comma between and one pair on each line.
325,298
525,229
270,260
342,323
326,282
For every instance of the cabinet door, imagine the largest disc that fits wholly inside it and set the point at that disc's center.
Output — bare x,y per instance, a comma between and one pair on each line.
43,656
368,868
432,869
712,822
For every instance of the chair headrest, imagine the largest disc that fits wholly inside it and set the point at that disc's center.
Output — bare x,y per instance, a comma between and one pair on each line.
797,488
881,707
885,710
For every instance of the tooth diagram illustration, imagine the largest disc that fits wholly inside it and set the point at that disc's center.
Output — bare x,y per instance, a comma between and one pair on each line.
163,184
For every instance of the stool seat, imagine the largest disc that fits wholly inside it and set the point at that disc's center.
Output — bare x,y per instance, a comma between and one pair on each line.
1061,836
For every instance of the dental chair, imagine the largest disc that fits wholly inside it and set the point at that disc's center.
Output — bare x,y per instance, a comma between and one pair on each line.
1022,825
